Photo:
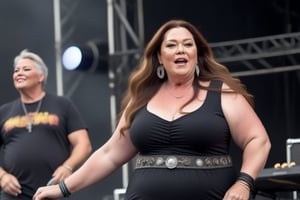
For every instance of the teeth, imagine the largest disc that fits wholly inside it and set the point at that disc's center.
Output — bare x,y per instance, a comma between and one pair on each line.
20,80
180,60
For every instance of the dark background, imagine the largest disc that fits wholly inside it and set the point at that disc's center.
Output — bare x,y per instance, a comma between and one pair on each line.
30,24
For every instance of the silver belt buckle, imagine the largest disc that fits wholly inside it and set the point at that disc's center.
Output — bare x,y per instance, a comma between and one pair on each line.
171,162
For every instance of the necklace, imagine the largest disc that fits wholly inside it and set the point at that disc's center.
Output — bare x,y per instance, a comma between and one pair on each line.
30,118
176,97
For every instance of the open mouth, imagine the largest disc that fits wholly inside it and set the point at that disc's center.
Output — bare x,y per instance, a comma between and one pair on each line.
181,61
19,80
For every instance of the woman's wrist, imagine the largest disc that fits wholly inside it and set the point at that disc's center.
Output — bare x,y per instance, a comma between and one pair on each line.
64,190
2,175
246,179
68,167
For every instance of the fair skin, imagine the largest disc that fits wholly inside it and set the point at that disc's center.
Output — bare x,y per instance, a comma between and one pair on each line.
178,55
29,82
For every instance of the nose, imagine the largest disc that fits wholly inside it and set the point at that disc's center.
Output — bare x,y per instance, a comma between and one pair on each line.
180,49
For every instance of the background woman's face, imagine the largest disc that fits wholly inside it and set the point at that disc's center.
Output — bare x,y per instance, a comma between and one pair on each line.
26,74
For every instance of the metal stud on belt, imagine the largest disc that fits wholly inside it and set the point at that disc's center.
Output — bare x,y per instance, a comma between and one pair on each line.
171,162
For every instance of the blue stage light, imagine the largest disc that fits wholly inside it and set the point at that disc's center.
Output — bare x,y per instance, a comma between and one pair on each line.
72,57
90,56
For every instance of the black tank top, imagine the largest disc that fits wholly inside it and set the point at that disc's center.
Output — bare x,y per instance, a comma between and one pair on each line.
202,132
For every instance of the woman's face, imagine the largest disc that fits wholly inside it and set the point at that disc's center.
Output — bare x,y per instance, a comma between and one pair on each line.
178,53
26,76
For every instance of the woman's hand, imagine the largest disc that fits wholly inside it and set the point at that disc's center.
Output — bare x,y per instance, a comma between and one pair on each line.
10,184
238,191
60,174
48,192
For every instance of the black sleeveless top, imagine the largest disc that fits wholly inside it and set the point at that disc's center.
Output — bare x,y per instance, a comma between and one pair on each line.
203,132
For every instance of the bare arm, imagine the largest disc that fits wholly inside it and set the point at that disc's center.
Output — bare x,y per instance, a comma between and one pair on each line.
250,135
81,148
104,161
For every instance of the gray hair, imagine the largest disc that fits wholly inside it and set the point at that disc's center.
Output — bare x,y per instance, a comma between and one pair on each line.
39,63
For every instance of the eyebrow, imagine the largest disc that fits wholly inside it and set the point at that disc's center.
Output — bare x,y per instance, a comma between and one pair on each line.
22,66
173,40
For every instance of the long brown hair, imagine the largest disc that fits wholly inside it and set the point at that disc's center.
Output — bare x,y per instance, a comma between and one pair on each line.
144,83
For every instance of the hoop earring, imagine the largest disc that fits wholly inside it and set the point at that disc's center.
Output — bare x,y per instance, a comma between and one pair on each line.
197,70
160,71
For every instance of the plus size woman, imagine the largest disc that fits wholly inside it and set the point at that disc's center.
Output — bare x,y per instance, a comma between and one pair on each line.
180,113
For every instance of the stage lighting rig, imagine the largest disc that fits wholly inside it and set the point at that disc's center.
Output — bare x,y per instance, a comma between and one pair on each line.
90,56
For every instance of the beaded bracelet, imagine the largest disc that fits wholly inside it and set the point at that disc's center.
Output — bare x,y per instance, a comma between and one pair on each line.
2,175
247,179
64,190
68,167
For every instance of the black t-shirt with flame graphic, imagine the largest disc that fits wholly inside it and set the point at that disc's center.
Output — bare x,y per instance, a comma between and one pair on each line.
33,156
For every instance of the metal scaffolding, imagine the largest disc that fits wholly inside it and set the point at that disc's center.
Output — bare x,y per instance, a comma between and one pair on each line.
261,55
125,43
253,56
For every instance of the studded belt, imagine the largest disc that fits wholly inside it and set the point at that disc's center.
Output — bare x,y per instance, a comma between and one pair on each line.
181,161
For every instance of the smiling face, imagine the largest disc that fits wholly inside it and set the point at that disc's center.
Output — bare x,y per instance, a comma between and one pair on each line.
178,53
26,75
